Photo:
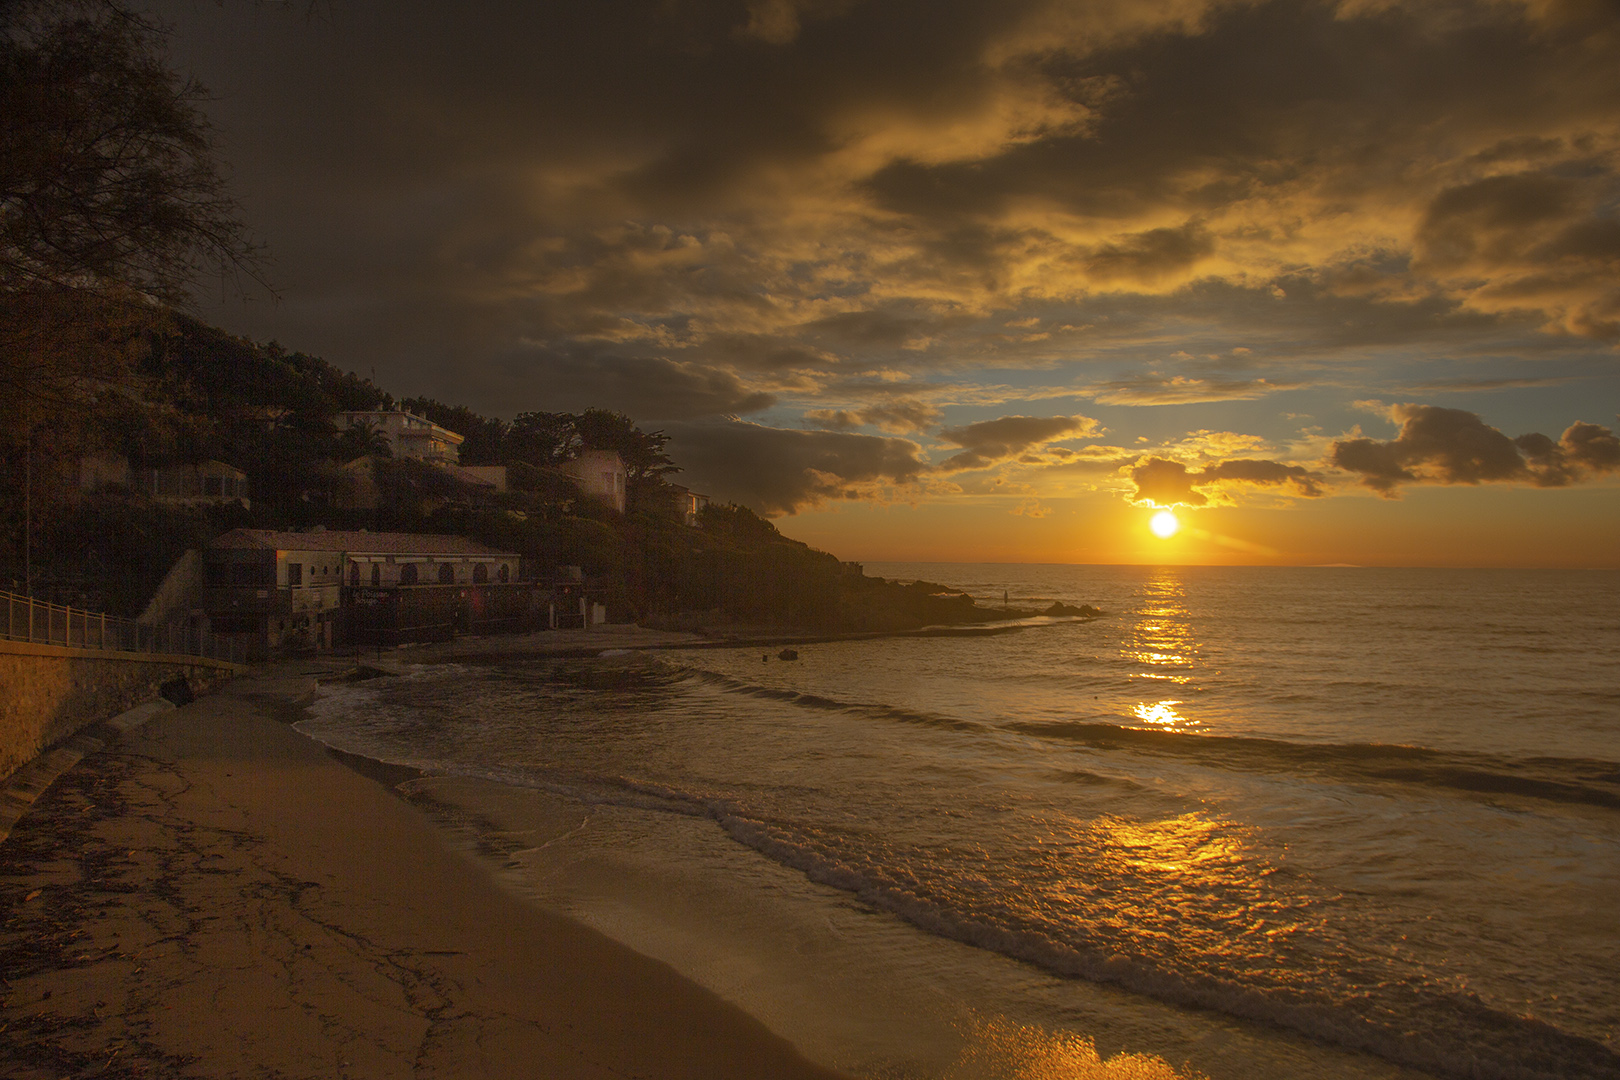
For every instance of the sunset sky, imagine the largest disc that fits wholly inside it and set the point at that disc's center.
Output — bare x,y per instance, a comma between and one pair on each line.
978,281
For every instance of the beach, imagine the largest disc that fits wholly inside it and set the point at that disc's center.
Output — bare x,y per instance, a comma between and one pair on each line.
215,895
1247,825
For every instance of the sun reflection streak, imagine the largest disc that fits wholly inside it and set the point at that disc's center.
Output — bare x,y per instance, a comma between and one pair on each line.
1163,715
1001,1047
1163,648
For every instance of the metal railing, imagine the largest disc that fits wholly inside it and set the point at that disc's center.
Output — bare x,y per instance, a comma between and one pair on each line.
43,623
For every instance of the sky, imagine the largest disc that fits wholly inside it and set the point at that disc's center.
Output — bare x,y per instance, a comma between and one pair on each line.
966,281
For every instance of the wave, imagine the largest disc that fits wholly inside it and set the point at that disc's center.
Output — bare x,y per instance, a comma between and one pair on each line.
1444,1032
1451,1034
1583,781
731,685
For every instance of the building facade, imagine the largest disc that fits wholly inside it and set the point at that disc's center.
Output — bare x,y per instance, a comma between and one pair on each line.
600,475
296,591
409,435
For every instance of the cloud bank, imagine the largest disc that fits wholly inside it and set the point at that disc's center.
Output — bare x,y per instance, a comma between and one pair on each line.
779,471
919,216
1452,446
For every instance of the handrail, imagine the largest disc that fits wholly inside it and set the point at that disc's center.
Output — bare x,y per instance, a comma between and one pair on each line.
43,623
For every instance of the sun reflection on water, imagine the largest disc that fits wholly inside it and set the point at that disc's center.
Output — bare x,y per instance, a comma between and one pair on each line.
1003,1048
1163,715
1162,648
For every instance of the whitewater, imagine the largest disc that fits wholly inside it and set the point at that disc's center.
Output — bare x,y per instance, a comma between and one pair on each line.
1250,822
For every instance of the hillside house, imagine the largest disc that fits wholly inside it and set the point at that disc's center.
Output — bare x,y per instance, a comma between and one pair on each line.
409,435
600,475
197,484
688,504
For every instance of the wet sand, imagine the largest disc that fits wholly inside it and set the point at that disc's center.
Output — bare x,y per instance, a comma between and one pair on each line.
214,895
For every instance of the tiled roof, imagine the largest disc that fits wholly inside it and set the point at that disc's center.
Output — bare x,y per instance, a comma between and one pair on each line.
356,543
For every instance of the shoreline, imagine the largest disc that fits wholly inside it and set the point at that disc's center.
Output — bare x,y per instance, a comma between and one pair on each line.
585,644
217,894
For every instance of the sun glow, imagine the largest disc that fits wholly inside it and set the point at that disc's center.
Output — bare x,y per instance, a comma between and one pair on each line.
1164,524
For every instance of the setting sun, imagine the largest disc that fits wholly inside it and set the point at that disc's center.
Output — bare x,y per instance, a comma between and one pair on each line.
1164,524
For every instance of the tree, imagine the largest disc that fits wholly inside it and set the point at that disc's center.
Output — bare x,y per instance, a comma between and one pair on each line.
363,439
111,207
107,175
541,438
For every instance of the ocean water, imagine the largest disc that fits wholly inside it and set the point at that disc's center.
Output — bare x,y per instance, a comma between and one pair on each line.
1251,822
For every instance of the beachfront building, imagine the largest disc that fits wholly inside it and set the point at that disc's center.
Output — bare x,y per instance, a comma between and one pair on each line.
408,435
599,475
294,591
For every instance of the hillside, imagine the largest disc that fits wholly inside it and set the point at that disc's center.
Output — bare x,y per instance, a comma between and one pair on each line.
197,394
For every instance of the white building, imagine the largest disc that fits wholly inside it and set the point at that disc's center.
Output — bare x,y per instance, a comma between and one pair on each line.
409,435
600,475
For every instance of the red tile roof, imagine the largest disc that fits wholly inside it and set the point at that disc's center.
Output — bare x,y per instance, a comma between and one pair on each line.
355,543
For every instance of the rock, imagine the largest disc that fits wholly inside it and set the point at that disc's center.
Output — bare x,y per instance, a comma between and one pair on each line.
788,654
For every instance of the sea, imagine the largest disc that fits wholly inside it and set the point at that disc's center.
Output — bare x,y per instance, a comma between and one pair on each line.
1247,823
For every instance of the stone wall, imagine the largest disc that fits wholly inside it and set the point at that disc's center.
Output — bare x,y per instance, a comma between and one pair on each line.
48,692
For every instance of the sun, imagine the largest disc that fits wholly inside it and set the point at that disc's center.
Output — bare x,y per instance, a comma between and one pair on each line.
1164,524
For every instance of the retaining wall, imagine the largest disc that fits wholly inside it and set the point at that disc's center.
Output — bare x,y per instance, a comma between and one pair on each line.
48,692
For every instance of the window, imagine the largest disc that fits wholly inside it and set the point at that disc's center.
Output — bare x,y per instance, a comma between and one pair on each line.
212,485
504,573
407,574
354,575
447,573
480,573
376,575
295,573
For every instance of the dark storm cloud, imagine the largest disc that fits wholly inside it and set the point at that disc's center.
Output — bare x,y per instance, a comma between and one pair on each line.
1169,483
991,441
1544,240
693,208
653,389
1148,257
880,328
899,417
1453,446
777,471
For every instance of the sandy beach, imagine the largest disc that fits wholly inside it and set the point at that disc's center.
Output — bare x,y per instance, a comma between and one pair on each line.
215,895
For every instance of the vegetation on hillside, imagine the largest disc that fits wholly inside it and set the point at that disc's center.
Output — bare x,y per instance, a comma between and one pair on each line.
204,395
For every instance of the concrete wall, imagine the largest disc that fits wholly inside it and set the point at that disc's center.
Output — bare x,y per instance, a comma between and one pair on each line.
48,692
